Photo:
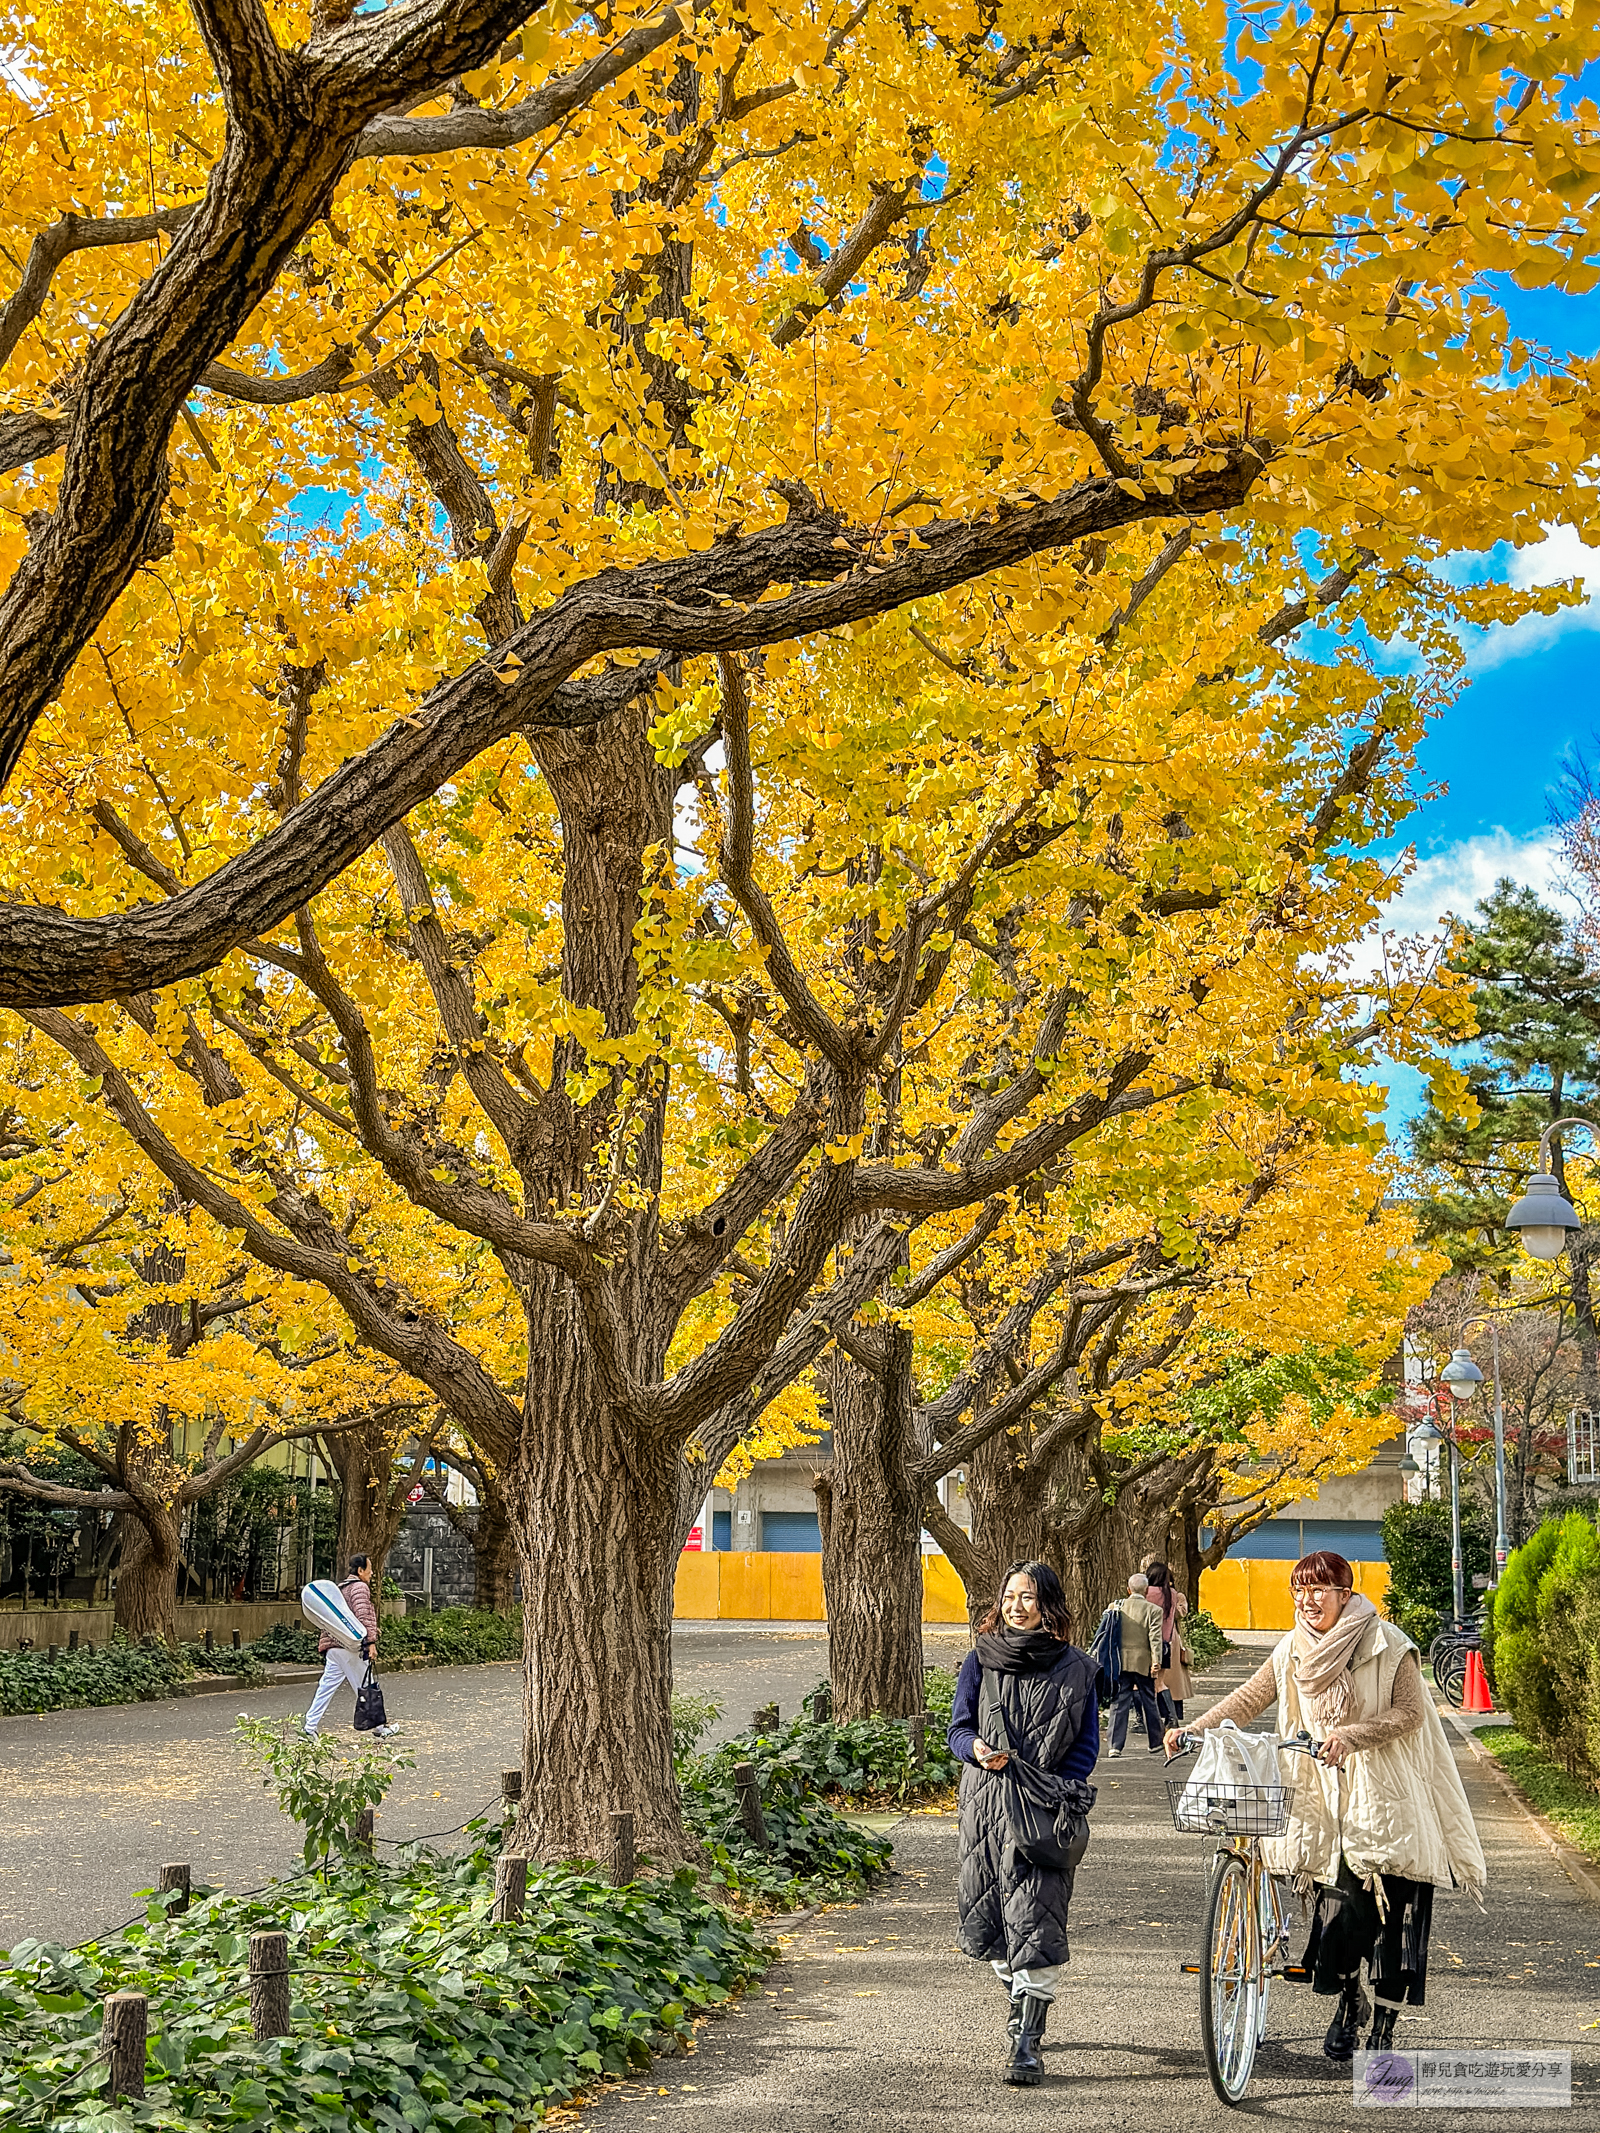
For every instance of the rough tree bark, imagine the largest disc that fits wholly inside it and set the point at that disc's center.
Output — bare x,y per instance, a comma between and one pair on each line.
869,1511
146,1602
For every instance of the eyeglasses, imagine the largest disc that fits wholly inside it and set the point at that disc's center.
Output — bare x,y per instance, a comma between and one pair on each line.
1314,1595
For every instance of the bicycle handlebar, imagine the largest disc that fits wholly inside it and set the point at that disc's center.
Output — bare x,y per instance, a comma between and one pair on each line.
1300,1743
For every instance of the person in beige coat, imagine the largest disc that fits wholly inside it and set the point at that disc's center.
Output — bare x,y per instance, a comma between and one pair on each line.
1382,1820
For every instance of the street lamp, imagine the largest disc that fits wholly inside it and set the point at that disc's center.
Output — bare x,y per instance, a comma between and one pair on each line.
1463,1389
1461,1386
1543,1216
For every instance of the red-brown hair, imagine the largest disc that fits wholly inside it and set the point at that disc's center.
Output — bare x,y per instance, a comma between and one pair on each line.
1323,1568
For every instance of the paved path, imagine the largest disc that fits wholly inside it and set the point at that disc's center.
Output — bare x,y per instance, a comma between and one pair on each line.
96,1800
874,2021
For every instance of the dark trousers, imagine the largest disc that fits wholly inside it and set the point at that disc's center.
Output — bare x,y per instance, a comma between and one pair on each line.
1139,1689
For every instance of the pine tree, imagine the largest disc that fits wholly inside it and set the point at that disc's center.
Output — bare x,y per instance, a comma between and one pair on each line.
1536,1058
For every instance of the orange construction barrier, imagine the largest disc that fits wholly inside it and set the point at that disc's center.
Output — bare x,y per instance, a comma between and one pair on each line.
1475,1696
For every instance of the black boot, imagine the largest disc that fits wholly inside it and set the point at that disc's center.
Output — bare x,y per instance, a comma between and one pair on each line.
1026,2067
1345,2028
1382,2038
1014,2015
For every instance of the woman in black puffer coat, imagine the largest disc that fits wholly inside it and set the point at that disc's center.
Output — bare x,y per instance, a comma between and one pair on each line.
1025,1708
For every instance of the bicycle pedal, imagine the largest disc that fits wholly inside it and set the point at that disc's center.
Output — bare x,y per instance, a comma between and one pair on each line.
1296,1974
1190,1969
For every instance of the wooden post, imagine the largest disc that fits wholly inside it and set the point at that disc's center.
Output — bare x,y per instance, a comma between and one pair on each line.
176,1876
72,1641
89,1648
236,1640
123,2030
511,1789
208,1640
55,1653
822,1703
362,1833
766,1719
510,1887
744,1777
917,1727
269,1984
624,1867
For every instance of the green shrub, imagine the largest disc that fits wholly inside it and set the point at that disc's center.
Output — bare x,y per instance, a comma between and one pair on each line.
409,2008
1416,1545
455,1636
1523,1678
288,1644
692,1719
122,1672
222,1659
1204,1639
318,1781
1568,1587
811,1850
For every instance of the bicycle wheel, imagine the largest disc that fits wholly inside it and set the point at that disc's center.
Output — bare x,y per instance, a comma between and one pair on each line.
1230,1982
1452,1679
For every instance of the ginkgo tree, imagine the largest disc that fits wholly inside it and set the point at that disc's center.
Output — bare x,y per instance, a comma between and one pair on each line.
135,1335
458,364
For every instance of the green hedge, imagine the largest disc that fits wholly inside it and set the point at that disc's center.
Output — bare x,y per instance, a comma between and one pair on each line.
408,2007
121,1672
1546,1643
455,1636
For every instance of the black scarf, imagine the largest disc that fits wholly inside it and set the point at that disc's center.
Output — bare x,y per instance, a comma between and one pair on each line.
1020,1651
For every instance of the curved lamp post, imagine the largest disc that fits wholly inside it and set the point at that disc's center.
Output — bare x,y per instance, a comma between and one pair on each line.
1543,1218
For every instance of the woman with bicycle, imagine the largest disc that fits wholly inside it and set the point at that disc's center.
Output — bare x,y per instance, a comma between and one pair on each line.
1380,1819
1026,1722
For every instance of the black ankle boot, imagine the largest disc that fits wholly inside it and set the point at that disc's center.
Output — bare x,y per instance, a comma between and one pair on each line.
1382,2037
1345,2028
1026,2067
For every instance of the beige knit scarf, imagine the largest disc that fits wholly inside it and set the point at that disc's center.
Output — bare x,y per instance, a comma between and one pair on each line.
1322,1662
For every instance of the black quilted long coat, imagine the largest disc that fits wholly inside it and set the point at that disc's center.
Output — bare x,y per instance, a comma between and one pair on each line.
1011,1911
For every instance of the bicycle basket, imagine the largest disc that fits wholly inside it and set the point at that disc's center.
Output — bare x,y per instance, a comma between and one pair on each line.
1219,1807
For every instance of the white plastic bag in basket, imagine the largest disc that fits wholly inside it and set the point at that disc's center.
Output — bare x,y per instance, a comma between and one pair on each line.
1228,1761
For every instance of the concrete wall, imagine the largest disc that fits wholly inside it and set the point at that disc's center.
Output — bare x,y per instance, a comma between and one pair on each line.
1367,1494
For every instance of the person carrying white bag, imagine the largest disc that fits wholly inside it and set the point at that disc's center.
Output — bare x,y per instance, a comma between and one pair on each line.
1376,1825
343,1667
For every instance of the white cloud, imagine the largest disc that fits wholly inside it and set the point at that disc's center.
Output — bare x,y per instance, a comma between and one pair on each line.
1451,883
1559,556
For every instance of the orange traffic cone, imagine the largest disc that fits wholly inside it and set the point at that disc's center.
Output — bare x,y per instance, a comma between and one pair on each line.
1475,1696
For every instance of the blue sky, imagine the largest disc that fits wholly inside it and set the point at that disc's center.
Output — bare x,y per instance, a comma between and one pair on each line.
1533,700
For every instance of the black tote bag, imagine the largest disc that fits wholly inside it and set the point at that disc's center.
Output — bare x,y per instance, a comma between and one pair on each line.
369,1704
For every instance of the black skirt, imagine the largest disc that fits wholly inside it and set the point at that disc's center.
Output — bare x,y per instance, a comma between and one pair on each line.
1347,1931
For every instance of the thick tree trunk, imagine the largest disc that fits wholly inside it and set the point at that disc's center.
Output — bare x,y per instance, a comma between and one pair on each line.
871,1520
593,1503
494,1551
147,1595
1008,1499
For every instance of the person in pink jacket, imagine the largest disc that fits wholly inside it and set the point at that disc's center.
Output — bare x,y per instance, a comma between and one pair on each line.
342,1669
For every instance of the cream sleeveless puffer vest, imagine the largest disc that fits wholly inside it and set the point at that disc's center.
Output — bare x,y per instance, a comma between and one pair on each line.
1397,1809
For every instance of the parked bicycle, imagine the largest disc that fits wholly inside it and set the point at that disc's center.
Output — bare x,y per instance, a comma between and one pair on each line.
1447,1655
1247,1909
